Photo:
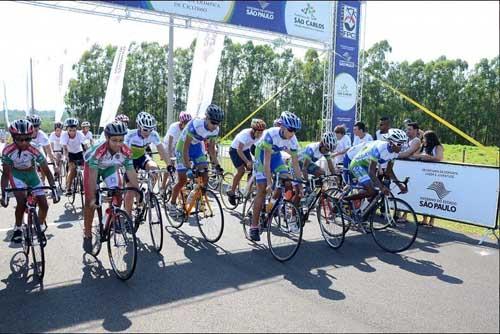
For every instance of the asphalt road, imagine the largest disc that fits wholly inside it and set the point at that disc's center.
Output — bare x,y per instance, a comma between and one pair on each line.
444,283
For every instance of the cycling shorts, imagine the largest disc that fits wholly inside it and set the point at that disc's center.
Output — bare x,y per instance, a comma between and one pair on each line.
77,158
277,166
110,176
23,179
235,158
361,174
196,155
312,168
140,163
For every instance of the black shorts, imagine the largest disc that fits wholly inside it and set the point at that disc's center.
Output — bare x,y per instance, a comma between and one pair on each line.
77,158
235,158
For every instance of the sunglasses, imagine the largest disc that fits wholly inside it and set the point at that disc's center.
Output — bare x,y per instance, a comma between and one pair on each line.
291,129
21,139
213,123
147,130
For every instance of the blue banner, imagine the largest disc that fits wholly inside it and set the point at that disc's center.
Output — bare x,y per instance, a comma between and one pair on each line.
305,19
348,19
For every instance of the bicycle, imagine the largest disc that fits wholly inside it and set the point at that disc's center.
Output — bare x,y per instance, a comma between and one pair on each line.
150,210
33,235
77,184
60,178
166,193
205,204
118,231
328,212
392,221
282,222
226,184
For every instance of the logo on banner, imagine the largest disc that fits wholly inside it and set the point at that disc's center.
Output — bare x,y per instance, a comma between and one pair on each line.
261,12
346,60
344,95
349,22
306,18
439,188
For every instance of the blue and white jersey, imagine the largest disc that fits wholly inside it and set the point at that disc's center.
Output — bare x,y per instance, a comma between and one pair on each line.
271,139
312,153
197,130
138,143
377,150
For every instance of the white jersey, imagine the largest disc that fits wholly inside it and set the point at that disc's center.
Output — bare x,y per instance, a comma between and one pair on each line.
245,138
40,140
74,145
408,144
174,130
88,137
342,145
54,139
138,143
368,137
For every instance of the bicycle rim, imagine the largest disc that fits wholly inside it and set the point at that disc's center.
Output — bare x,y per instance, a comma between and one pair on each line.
209,216
122,245
331,221
246,216
155,223
282,237
97,232
225,186
394,229
180,218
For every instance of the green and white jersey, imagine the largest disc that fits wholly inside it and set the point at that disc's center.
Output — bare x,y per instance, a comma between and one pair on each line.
198,132
138,143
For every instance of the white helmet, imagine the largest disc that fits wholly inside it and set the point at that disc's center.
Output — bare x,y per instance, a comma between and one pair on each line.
396,136
329,140
85,124
145,120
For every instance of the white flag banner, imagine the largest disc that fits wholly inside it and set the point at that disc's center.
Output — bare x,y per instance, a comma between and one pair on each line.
60,92
5,110
115,84
28,93
206,61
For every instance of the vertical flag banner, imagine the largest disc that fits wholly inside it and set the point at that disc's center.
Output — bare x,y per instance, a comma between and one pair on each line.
62,85
206,61
346,63
28,93
5,110
115,84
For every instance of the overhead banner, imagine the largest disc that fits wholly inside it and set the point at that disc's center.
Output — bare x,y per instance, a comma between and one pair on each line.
206,61
115,84
305,19
346,57
464,193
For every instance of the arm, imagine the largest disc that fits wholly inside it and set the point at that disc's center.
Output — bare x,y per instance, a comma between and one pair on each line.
48,151
7,170
306,163
239,150
415,146
46,170
390,173
372,172
185,151
65,152
267,166
438,157
295,165
162,152
330,165
212,153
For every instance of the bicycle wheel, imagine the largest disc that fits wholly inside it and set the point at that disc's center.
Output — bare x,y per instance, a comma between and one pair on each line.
74,189
284,230
225,186
394,225
80,186
209,216
97,232
37,247
180,217
246,215
331,221
122,245
155,223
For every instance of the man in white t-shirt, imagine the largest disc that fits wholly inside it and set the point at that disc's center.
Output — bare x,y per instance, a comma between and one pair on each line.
383,128
413,145
89,140
55,143
360,134
73,143
343,144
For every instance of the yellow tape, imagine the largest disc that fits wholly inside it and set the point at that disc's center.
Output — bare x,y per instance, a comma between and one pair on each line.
430,113
258,109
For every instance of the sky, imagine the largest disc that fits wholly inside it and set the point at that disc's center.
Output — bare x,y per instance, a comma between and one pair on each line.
415,30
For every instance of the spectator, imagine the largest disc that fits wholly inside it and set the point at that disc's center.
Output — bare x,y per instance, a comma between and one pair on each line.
384,126
420,131
360,135
413,146
431,150
343,144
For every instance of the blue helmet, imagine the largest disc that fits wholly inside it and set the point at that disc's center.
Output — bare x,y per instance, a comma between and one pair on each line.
290,120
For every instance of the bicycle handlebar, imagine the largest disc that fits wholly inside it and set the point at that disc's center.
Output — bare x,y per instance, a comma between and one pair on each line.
29,190
115,189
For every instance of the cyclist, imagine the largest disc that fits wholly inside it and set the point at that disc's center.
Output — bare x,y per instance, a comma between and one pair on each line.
364,164
73,143
240,152
102,162
137,140
268,161
314,151
89,139
189,149
119,118
55,144
40,140
170,141
19,161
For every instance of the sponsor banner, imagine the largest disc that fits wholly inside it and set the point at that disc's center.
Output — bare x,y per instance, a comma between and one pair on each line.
346,64
305,19
115,84
206,61
458,192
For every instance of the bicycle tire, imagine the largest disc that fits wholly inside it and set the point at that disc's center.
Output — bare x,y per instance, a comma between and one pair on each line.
155,227
224,186
277,224
80,185
213,181
118,226
74,189
204,227
406,230
37,247
246,215
330,216
97,233
177,222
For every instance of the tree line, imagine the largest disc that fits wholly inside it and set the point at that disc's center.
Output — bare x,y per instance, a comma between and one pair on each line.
249,74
